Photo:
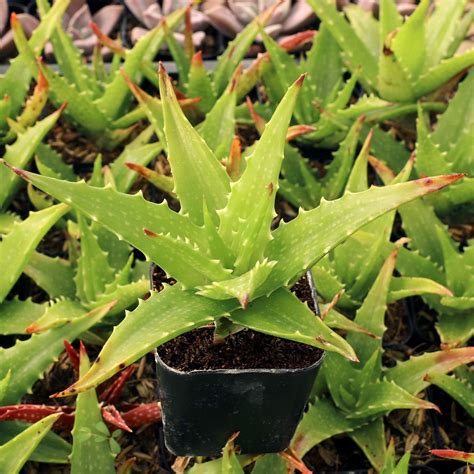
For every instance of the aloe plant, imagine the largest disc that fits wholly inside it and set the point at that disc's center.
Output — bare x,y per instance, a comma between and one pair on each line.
95,99
435,256
448,148
400,59
14,84
217,247
357,409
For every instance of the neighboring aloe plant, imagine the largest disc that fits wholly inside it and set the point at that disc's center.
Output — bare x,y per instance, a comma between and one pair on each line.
220,247
353,266
448,148
326,98
95,100
401,60
435,256
14,84
357,408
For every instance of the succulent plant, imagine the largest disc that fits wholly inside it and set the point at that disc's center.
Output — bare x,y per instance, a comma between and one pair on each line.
7,45
14,84
150,13
435,256
220,263
448,148
383,52
76,23
230,17
357,409
95,99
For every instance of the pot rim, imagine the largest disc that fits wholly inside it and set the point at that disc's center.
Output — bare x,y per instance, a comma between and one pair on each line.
181,373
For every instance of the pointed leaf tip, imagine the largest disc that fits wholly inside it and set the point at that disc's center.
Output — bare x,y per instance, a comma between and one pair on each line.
21,173
149,233
197,59
436,183
300,80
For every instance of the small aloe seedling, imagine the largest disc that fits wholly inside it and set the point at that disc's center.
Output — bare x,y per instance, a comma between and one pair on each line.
357,397
400,59
230,266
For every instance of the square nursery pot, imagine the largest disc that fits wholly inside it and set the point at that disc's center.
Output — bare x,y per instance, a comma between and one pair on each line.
201,409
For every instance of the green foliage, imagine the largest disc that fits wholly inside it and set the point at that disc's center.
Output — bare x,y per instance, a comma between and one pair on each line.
15,453
410,58
91,451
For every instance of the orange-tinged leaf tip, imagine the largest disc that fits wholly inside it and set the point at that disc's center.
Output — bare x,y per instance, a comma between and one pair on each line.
21,173
42,82
300,80
61,109
436,183
297,39
453,454
14,20
32,328
82,349
197,59
149,233
244,301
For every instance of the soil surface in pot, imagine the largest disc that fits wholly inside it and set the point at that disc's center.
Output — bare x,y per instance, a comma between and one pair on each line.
246,349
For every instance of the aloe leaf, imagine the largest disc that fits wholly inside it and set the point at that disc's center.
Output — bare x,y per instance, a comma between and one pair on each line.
403,287
58,313
51,449
81,108
101,204
7,222
390,19
383,397
230,462
304,232
68,56
50,163
412,32
258,183
322,421
15,82
438,75
283,315
458,116
46,347
178,54
236,50
25,235
139,155
459,390
413,375
357,55
390,466
336,320
269,463
15,453
125,295
198,176
440,29
218,127
20,153
90,448
242,287
365,26
371,440
200,84
53,275
117,94
178,312
93,270
16,315
338,171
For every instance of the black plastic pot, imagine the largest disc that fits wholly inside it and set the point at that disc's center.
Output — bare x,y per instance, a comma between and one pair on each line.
203,408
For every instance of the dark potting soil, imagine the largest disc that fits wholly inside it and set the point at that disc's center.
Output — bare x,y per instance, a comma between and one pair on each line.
246,349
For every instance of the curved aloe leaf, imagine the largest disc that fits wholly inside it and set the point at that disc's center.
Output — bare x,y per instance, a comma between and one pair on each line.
28,359
330,219
90,448
20,153
176,311
25,236
16,315
15,453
